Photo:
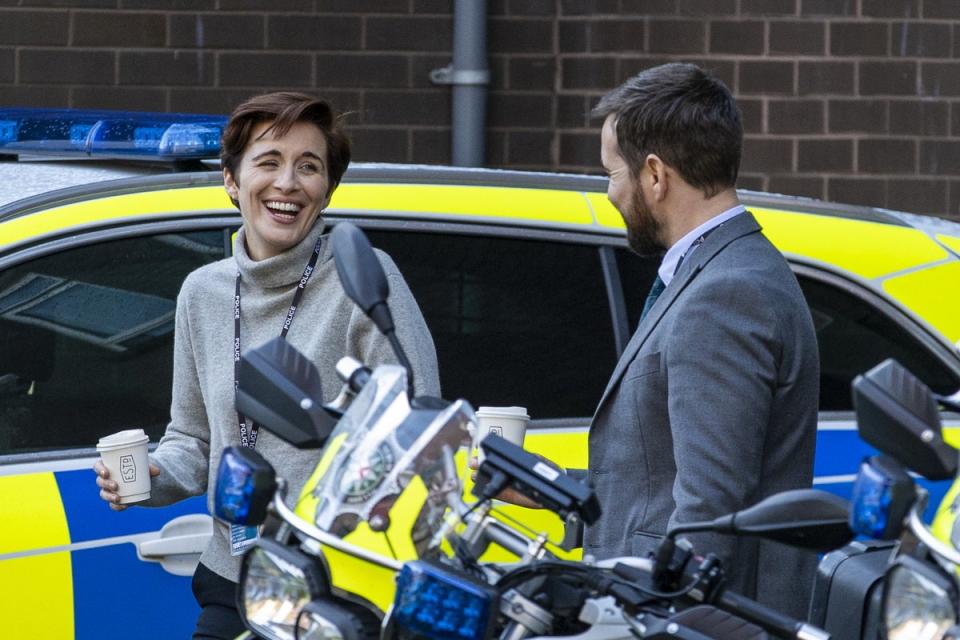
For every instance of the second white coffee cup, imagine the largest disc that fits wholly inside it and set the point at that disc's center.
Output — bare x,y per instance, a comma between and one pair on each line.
510,423
124,454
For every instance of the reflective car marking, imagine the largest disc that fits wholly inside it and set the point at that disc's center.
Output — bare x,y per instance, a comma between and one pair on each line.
131,206
34,498
539,205
893,248
41,604
43,597
942,311
952,242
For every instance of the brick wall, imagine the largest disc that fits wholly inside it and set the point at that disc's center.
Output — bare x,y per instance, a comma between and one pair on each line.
850,100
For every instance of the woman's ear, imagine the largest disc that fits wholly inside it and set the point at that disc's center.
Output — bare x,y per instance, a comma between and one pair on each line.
231,187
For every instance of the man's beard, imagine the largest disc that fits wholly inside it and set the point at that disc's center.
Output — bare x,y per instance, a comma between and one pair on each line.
644,232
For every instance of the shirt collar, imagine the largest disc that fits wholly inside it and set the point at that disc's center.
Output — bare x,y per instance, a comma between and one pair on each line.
685,245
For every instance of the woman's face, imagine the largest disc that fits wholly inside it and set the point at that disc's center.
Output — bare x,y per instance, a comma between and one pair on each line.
281,185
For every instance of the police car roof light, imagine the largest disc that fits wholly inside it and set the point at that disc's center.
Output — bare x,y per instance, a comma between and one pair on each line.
110,134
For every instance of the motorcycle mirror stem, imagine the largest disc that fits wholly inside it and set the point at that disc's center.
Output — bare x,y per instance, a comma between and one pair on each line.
804,518
364,282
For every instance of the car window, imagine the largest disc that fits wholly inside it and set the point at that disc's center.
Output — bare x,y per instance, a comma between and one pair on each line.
515,322
86,339
852,335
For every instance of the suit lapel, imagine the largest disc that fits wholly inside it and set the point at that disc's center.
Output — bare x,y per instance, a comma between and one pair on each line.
734,228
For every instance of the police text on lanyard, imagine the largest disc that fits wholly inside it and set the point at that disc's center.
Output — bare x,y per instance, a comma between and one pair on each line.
248,434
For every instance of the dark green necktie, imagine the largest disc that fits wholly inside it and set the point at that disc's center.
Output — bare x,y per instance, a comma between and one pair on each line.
655,292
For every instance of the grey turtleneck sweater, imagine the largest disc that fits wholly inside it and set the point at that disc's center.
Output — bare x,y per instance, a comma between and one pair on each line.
327,326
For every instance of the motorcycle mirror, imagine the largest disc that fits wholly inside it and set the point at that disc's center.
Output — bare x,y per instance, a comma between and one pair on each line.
898,414
279,388
364,281
361,274
804,518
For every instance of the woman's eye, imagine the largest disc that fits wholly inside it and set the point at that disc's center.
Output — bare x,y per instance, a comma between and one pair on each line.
308,168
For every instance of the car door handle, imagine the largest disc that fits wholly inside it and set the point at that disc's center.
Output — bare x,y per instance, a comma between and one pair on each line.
179,544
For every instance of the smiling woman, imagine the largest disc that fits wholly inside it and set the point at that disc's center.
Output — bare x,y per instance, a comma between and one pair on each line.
283,155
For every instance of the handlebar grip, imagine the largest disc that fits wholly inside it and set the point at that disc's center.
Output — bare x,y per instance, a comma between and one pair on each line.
768,618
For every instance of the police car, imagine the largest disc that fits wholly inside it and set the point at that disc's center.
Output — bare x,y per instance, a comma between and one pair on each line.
524,279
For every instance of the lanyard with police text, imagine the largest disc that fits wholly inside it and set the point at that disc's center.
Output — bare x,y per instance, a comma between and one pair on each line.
248,436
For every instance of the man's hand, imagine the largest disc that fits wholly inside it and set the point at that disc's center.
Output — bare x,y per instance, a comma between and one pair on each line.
108,487
507,495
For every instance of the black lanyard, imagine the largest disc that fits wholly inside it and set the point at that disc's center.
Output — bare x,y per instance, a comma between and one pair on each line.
248,438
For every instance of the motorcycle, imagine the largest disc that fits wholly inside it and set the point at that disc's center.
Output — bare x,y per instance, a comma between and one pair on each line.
381,543
902,582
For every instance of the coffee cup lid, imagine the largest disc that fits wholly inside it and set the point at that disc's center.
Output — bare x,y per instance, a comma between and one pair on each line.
123,438
504,412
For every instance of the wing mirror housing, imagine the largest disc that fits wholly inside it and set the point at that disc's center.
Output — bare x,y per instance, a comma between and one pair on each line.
279,388
898,414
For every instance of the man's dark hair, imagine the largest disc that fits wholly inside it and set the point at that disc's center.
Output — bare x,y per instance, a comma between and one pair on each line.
683,114
284,109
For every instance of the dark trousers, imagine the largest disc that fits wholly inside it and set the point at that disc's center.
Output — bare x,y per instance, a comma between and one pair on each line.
217,597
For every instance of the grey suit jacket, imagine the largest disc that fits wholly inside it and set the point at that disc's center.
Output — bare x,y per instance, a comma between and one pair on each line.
711,408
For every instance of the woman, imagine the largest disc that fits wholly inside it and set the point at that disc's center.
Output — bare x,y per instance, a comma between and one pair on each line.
283,155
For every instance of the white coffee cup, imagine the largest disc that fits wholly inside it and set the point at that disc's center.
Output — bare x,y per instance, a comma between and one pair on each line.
124,454
510,423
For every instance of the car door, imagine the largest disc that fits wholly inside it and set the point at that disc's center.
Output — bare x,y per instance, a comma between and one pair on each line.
86,331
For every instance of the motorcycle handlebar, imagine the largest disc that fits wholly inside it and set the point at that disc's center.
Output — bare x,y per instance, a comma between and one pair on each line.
769,619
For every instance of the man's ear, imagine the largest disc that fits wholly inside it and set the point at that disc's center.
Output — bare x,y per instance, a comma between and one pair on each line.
656,171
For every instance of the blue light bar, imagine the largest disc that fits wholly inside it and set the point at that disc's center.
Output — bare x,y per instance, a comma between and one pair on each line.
882,495
110,134
246,483
436,603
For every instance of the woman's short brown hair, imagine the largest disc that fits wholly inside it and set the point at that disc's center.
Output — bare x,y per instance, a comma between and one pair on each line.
285,108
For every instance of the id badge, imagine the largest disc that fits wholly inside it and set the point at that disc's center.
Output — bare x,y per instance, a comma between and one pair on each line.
242,538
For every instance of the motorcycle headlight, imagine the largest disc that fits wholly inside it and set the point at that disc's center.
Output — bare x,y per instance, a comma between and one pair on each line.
275,583
918,601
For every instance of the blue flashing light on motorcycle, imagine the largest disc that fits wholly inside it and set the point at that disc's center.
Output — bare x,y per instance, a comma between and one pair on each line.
110,134
246,483
882,496
435,603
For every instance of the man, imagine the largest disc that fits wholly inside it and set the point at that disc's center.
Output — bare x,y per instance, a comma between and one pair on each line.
713,405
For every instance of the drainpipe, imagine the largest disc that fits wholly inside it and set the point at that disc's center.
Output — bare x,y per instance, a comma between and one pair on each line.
469,76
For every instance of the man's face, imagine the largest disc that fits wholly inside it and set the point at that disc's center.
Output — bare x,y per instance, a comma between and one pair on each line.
281,185
625,192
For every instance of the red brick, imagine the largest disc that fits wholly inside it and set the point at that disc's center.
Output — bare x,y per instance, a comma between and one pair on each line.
856,116
910,117
67,66
920,40
769,7
826,78
737,37
795,116
887,155
888,78
871,192
19,27
890,8
797,37
859,38
677,36
917,195
765,77
792,185
825,156
767,155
